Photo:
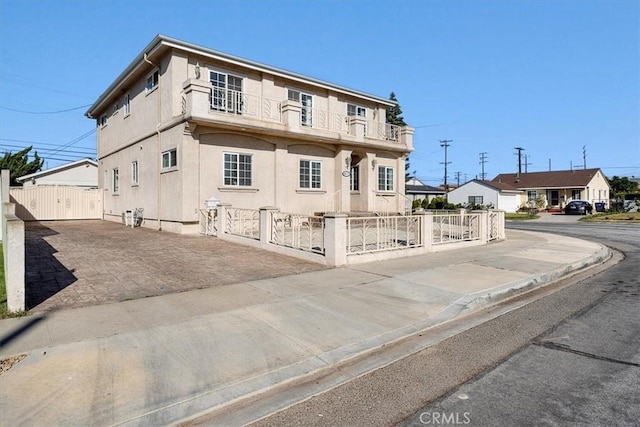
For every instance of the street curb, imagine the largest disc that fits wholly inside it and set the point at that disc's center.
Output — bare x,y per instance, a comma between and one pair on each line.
324,365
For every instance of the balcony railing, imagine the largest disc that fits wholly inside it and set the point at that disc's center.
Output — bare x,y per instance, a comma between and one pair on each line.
242,104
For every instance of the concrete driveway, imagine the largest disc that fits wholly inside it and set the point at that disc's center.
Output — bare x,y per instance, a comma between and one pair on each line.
80,263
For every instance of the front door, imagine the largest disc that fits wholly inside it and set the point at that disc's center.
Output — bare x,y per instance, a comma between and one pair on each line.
555,198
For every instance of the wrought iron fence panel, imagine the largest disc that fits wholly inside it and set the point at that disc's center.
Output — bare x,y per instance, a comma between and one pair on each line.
243,222
456,228
298,231
374,234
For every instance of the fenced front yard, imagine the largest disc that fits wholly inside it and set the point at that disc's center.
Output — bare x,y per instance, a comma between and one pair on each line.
336,239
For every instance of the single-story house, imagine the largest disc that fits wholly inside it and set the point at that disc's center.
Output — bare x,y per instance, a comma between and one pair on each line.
81,173
558,188
498,195
416,189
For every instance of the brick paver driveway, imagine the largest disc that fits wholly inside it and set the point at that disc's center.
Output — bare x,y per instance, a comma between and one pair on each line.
79,263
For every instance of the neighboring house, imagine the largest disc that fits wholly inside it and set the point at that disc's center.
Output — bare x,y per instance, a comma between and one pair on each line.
499,195
416,189
81,173
560,187
184,123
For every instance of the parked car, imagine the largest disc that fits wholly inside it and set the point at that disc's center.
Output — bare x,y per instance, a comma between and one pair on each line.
578,207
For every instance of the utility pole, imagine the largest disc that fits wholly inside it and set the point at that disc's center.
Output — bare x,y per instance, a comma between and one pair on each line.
584,156
520,150
483,160
465,178
445,143
458,178
549,165
526,163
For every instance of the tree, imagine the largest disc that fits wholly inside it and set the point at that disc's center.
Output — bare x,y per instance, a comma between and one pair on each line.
621,186
394,117
19,164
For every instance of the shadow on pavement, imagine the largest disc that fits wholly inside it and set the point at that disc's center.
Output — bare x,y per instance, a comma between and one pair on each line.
45,275
22,329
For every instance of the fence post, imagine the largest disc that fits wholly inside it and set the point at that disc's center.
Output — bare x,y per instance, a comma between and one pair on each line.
221,219
483,228
335,239
14,261
266,224
426,228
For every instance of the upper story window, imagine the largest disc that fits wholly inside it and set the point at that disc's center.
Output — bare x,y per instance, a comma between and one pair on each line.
152,81
310,174
170,159
356,110
237,169
127,105
134,172
306,100
226,94
102,122
385,178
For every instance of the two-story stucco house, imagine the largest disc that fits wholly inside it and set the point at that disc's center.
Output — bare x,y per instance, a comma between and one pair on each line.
183,124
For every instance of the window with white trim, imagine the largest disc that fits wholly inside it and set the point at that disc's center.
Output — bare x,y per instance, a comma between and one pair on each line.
152,81
116,180
575,194
134,172
532,195
385,178
476,200
354,185
170,159
103,121
237,169
226,92
127,105
311,174
306,100
356,110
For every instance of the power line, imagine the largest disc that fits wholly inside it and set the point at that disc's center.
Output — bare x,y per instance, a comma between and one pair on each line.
46,150
45,112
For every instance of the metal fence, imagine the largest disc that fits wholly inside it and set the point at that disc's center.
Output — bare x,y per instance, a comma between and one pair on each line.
243,222
374,234
450,228
495,225
297,231
208,223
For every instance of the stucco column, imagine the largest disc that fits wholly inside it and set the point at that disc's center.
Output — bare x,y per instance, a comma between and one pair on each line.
14,262
196,94
369,184
342,183
483,226
221,219
291,113
406,137
281,176
426,228
335,239
357,127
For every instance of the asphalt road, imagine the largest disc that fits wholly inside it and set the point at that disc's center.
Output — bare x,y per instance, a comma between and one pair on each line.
567,355
584,371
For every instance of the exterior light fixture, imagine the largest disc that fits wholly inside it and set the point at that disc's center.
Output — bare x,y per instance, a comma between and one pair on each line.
374,162
197,70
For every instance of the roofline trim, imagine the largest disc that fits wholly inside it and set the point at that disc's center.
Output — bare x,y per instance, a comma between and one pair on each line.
161,40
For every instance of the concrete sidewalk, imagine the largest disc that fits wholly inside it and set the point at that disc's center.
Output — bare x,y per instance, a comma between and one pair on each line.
159,360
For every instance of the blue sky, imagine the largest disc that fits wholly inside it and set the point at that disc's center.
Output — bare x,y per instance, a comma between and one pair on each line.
548,76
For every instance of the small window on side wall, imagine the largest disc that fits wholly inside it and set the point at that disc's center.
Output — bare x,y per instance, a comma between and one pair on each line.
170,159
134,173
385,178
152,81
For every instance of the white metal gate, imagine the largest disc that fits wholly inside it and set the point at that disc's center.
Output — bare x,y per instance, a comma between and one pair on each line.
56,202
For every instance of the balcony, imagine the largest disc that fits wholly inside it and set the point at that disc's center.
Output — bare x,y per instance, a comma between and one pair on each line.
234,108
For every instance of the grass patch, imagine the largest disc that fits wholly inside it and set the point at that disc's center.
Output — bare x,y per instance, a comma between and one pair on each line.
613,217
520,216
3,288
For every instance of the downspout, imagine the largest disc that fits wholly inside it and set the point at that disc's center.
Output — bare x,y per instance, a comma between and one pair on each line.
159,136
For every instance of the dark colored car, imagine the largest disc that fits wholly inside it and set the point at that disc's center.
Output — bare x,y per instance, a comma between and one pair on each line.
578,207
